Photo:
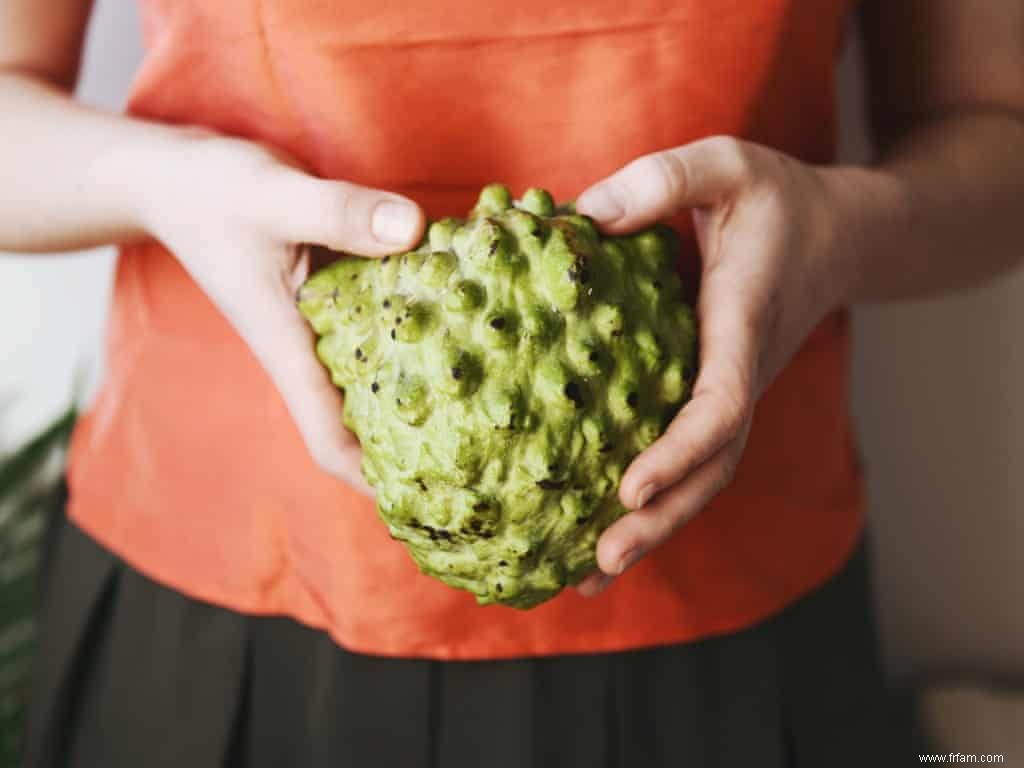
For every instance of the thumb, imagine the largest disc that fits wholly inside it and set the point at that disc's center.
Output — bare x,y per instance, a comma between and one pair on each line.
658,185
341,216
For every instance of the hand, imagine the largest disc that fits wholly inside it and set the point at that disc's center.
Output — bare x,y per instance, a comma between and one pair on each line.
770,273
239,216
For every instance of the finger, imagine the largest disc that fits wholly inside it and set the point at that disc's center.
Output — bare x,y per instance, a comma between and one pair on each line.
658,185
283,343
341,216
594,584
722,397
638,532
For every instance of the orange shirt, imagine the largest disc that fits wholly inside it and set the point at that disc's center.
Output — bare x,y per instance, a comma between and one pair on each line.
188,465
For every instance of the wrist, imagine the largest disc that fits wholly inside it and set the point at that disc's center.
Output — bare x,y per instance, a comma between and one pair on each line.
868,209
144,172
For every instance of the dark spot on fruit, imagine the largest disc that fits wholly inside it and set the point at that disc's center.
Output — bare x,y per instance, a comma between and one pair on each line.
498,323
387,304
499,588
393,333
456,373
572,391
632,399
487,535
552,467
385,260
375,387
476,525
354,276
480,506
492,248
398,320
578,272
548,484
617,332
421,484
606,447
359,353
437,533
359,309
503,563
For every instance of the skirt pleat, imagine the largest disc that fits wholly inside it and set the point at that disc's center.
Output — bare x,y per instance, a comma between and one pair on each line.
131,673
310,704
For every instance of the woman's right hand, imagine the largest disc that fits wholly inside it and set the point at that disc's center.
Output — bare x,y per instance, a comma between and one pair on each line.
238,216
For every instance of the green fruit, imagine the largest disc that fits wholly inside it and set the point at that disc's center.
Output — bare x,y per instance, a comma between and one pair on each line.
500,378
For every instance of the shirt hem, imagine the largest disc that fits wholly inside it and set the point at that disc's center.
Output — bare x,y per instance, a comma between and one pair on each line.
248,604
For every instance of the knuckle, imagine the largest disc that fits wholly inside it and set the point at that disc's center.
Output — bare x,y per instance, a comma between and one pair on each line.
335,209
655,529
731,405
678,517
724,475
678,520
680,441
669,173
737,155
735,409
342,207
346,201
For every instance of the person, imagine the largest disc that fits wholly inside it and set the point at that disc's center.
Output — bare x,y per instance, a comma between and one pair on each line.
219,591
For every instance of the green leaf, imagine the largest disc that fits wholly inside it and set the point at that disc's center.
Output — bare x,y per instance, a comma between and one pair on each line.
27,493
19,470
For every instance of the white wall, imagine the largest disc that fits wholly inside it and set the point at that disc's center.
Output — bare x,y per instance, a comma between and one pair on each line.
936,396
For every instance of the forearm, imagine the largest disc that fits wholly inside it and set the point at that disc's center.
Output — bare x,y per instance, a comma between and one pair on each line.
72,176
941,211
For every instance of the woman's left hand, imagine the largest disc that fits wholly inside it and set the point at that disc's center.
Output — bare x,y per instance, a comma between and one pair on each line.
771,272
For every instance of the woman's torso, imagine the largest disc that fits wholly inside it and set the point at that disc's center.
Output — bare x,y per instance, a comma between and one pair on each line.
188,465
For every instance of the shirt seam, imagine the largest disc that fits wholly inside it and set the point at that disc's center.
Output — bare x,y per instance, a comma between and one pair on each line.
471,40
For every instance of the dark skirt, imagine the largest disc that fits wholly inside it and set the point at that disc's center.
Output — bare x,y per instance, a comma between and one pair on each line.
131,673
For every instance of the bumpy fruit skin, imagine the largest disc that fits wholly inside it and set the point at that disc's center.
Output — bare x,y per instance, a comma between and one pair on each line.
500,378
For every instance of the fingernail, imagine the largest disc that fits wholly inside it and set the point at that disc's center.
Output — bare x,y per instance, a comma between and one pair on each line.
599,203
645,495
394,223
628,558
